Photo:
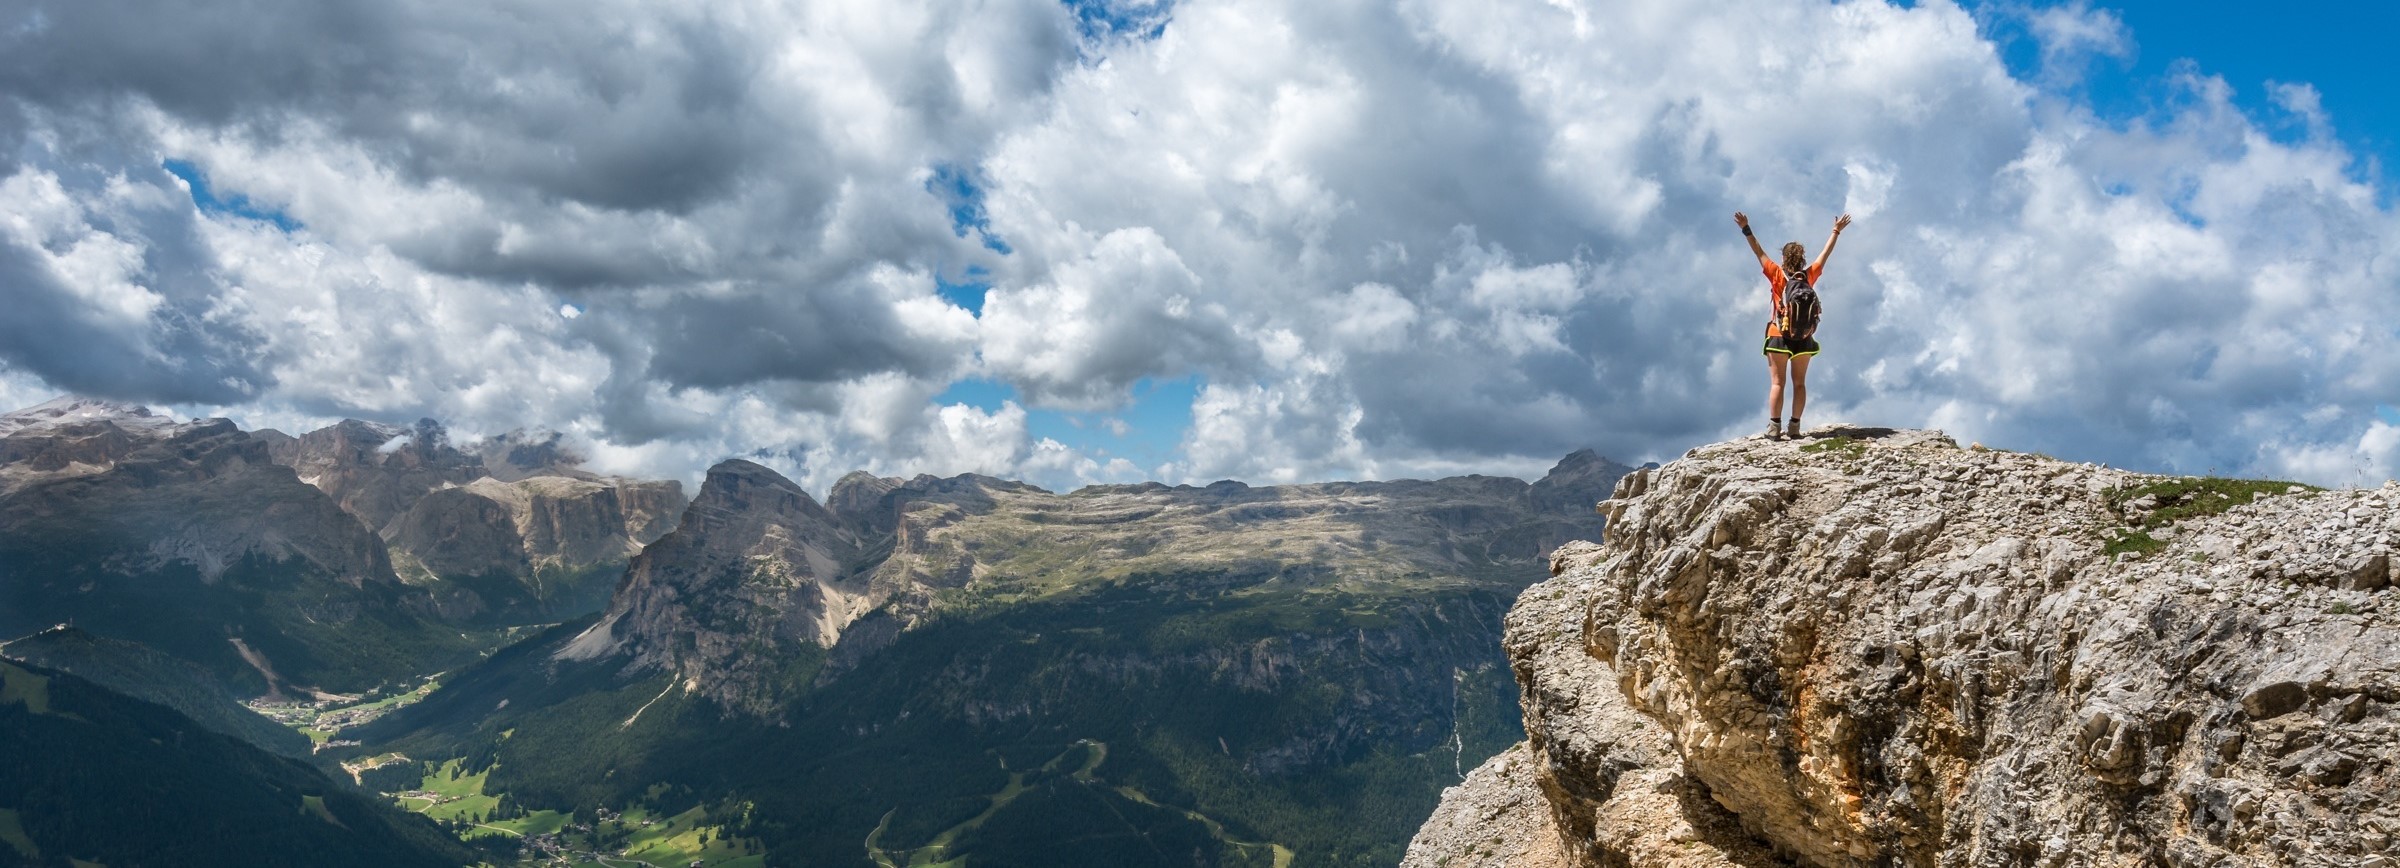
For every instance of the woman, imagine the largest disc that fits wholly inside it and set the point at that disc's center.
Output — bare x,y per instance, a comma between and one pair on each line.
1782,350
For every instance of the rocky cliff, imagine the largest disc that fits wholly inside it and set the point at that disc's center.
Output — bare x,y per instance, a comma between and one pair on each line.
186,537
1876,648
743,596
509,529
375,471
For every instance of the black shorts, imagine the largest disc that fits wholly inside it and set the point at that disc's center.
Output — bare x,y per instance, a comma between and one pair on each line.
1792,346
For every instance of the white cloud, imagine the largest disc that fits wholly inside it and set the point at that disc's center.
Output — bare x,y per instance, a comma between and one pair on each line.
101,269
2074,35
1371,316
1401,239
1127,308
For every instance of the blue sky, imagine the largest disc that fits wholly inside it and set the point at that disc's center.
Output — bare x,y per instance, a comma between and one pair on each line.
1146,431
207,200
2343,49
1269,240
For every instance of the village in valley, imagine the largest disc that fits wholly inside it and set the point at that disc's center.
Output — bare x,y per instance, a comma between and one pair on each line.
454,797
326,715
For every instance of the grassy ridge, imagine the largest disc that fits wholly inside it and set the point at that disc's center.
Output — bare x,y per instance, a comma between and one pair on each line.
87,774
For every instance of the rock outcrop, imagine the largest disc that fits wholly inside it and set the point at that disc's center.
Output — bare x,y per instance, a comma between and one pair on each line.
743,596
509,529
375,471
1880,649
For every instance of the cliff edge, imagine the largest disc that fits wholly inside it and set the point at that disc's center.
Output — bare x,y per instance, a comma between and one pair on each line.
1875,648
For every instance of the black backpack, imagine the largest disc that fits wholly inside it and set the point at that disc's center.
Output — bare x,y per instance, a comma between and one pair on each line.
1800,307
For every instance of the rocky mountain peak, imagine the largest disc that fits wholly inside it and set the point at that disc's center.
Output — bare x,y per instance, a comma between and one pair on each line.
76,410
374,470
743,490
537,537
1873,647
739,598
188,535
525,454
1578,481
865,499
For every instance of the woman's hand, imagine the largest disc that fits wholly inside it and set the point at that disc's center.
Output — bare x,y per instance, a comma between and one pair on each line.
1839,223
1740,219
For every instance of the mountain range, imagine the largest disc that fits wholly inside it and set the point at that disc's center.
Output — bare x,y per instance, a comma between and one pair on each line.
919,669
331,563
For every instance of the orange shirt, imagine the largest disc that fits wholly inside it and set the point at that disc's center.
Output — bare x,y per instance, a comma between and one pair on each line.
1775,293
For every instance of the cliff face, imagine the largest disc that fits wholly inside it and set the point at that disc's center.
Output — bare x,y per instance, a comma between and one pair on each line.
373,470
508,529
743,596
1892,651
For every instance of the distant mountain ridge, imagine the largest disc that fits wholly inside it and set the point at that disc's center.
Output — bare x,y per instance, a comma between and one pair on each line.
186,537
761,581
507,530
337,560
1230,674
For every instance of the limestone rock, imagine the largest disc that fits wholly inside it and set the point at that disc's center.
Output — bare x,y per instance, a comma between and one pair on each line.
1603,780
1496,818
376,471
508,529
743,596
1888,650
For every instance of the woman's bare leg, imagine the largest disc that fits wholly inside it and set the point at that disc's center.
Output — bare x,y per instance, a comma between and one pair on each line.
1799,385
1775,368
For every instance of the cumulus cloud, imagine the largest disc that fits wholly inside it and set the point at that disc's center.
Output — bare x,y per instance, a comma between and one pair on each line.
1392,239
110,292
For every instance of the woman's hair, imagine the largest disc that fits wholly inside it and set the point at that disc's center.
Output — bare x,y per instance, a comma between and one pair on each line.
1795,257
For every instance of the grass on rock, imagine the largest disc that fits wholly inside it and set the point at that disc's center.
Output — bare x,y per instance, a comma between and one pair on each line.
2183,497
1847,447
2178,498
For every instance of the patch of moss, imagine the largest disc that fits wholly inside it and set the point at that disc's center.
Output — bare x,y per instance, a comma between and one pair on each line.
2185,497
2131,542
1847,447
2179,498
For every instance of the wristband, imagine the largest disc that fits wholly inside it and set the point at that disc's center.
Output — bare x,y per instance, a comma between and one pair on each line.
1745,232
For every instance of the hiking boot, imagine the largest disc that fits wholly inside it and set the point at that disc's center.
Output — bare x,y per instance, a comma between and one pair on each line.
1774,429
1793,431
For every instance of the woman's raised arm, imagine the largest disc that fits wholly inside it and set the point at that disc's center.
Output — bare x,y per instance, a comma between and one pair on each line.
1839,224
1743,220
